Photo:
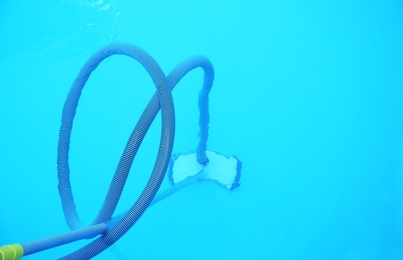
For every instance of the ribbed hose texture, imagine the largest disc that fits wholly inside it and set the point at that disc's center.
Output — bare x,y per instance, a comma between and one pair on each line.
116,187
176,75
162,99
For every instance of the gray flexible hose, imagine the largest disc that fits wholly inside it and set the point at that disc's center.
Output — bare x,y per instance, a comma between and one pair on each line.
119,179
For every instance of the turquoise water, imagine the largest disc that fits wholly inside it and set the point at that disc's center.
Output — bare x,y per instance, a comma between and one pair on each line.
307,94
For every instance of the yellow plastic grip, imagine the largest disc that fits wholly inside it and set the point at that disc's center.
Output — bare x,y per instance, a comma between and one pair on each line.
11,252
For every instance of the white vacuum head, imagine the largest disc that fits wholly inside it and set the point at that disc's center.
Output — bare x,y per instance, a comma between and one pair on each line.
221,169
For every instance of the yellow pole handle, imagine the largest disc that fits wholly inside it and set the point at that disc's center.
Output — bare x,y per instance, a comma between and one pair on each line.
11,252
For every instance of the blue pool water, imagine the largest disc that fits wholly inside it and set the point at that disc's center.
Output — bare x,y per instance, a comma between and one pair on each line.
307,94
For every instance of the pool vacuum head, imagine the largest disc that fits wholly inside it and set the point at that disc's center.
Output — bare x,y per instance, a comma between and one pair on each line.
221,169
184,169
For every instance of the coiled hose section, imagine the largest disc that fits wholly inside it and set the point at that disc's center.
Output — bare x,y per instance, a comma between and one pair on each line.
161,99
